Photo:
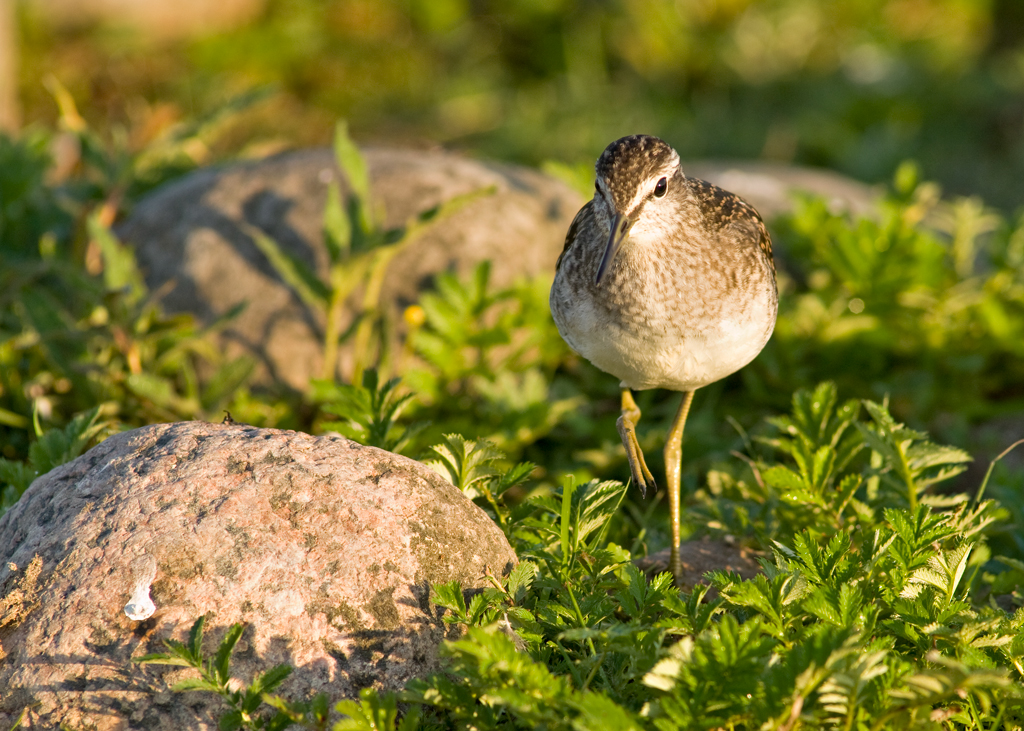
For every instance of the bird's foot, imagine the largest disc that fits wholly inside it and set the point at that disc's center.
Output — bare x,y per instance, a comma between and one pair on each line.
642,476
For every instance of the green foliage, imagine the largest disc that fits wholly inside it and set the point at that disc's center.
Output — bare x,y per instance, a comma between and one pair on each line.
371,411
373,713
852,85
215,677
867,615
473,467
888,598
78,328
105,342
923,300
487,360
359,249
51,449
871,623
29,210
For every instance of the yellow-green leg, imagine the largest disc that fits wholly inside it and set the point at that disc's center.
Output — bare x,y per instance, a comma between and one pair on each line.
673,468
626,425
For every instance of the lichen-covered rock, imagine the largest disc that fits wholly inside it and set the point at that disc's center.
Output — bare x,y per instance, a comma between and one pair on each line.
327,550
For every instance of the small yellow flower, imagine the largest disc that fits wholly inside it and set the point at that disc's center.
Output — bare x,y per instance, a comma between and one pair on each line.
414,316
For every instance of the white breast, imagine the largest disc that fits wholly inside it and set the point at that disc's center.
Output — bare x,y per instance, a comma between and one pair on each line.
661,357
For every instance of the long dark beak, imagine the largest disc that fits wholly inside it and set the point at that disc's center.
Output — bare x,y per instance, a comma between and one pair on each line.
620,227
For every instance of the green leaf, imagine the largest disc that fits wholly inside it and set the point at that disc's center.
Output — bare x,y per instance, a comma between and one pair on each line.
164,658
194,684
371,713
226,381
120,270
59,446
337,226
195,640
230,721
450,596
9,418
222,661
465,463
268,682
784,479
520,579
353,166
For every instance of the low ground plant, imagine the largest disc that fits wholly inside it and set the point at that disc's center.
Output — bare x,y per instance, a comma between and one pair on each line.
879,604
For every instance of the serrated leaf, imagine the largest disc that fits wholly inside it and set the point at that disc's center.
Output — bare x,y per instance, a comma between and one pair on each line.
222,659
268,681
783,478
163,658
195,684
465,463
195,639
925,454
450,596
520,579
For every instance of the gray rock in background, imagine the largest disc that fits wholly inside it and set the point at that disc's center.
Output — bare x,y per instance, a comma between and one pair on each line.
326,548
192,235
770,187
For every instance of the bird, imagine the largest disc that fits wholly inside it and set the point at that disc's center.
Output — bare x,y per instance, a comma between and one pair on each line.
665,281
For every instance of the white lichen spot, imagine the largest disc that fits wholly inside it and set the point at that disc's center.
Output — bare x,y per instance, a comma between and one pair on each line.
140,606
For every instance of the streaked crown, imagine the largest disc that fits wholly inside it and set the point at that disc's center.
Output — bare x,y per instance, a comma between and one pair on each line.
629,161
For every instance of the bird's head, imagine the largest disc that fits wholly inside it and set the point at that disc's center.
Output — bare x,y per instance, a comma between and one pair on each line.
637,188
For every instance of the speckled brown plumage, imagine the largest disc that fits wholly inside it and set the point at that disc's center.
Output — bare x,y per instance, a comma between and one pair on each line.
665,281
689,298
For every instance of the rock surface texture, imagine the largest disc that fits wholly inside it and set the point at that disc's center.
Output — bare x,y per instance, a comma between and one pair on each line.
327,550
194,235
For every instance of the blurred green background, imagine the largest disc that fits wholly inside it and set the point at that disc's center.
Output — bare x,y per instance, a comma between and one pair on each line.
853,85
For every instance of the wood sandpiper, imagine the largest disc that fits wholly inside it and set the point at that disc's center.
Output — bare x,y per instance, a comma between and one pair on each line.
665,281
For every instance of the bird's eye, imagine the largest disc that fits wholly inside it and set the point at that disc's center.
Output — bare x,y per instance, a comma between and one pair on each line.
661,188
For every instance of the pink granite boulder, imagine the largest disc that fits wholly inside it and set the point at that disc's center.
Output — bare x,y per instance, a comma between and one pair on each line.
325,548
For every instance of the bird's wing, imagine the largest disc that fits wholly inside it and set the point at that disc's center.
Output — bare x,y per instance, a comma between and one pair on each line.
574,229
733,217
748,228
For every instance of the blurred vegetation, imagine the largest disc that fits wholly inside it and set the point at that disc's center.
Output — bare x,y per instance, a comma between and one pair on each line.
856,85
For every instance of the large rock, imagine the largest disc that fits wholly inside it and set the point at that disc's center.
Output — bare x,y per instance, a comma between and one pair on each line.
193,235
327,549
